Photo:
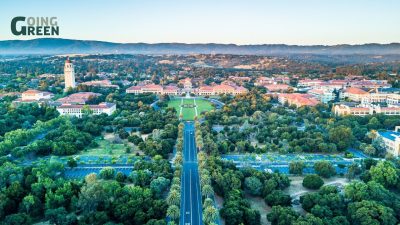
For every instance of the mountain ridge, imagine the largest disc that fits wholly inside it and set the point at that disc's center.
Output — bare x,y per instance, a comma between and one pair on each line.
65,46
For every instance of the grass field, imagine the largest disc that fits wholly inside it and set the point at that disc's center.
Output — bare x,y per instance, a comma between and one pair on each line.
105,148
190,113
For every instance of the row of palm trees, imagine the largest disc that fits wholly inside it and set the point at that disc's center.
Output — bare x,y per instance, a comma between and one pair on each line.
174,196
210,213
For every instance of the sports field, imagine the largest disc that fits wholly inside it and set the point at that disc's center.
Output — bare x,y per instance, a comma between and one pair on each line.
190,107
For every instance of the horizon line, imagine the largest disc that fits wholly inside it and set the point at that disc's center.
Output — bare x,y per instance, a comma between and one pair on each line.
205,43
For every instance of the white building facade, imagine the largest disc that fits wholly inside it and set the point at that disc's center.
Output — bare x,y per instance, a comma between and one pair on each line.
79,110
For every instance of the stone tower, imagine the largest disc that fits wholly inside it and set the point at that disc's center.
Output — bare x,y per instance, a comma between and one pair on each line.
69,75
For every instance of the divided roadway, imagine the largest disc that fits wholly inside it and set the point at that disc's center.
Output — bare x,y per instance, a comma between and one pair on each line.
191,203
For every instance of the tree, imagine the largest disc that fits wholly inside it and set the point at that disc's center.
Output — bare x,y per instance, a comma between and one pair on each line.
210,214
173,212
17,219
324,169
120,177
313,181
379,145
159,186
296,167
309,219
278,197
31,205
96,193
207,190
107,173
60,216
384,173
370,150
72,162
10,173
282,215
178,158
370,212
253,185
174,198
342,136
208,202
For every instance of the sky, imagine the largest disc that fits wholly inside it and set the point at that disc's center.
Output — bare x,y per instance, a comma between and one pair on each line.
299,22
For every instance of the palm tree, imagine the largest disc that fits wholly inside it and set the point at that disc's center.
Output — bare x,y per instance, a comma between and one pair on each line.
173,212
173,198
201,156
204,179
200,144
178,171
176,180
207,203
210,214
176,187
205,172
178,158
179,145
207,190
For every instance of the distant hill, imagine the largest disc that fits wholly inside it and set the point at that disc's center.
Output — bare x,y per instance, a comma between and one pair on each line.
65,46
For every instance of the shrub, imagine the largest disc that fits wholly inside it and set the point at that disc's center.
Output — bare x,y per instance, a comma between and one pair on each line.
312,181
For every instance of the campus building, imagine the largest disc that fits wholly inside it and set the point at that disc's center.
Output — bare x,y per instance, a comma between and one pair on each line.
323,96
69,75
363,110
79,110
79,98
100,83
391,140
231,89
298,99
35,96
261,81
153,88
277,87
354,94
204,90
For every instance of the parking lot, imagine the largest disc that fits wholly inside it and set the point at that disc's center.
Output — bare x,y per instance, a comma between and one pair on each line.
271,162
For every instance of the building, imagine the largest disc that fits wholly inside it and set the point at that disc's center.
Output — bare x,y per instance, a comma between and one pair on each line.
147,88
277,87
100,83
35,96
239,80
79,110
79,98
322,95
309,83
389,98
205,90
231,89
298,99
363,110
370,84
391,140
153,88
187,83
354,94
261,81
69,75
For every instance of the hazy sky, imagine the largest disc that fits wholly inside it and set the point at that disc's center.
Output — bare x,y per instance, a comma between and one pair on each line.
303,22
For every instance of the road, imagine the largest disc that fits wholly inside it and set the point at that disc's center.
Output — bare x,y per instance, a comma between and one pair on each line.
191,206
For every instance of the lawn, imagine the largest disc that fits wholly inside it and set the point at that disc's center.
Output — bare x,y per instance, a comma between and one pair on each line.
105,148
189,113
203,106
